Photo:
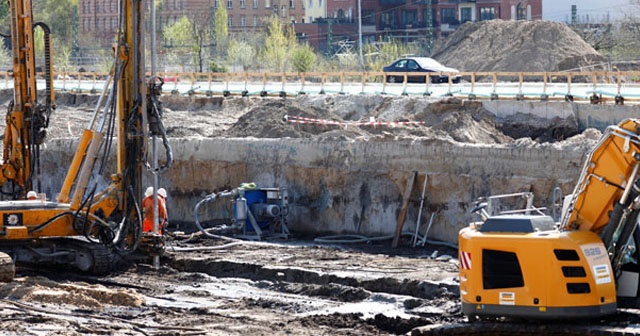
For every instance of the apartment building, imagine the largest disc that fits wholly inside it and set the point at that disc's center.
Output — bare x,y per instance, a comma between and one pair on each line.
320,22
410,20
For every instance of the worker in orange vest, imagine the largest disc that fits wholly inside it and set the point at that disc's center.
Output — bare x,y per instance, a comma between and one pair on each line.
147,208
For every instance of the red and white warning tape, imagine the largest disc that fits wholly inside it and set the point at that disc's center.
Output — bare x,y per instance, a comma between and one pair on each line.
303,120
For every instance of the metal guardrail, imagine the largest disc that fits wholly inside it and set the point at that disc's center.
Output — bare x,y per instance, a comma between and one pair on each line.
595,86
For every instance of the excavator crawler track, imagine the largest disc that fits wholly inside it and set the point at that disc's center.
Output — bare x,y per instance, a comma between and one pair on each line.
77,254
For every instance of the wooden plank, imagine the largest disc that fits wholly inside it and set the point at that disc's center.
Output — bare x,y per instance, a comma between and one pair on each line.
403,211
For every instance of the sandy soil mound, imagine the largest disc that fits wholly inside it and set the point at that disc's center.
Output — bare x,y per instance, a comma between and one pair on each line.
449,119
498,45
40,289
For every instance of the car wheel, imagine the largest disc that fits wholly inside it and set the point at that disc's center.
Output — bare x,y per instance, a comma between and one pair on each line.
391,79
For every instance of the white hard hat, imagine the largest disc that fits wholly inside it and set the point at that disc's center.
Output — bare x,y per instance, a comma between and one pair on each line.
162,192
32,194
148,192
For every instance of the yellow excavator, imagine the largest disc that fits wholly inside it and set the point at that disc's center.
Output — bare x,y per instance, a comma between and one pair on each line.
529,266
86,227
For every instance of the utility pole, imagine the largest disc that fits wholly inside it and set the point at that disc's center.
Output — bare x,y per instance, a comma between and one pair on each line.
429,23
360,34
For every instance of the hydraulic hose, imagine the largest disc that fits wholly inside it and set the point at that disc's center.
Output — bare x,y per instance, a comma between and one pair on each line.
210,198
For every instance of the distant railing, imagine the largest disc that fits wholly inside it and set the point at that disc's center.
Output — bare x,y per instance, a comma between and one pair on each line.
595,86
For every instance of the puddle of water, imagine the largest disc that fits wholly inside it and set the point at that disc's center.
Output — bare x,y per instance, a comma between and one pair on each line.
212,293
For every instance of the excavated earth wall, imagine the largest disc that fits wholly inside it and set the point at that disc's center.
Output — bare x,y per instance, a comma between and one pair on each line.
353,186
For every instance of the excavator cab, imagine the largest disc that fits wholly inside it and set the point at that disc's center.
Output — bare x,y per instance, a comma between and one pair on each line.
585,266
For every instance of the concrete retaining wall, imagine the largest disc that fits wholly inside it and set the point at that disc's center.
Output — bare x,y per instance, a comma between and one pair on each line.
353,186
588,116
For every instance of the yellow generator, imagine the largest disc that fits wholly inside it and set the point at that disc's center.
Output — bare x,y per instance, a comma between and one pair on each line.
522,265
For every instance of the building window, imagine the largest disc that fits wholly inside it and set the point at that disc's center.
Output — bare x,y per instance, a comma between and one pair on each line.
487,13
310,19
89,24
216,3
242,4
449,15
320,3
521,12
310,3
230,21
409,17
465,15
229,4
386,19
284,10
255,20
242,21
292,4
255,3
267,3
368,17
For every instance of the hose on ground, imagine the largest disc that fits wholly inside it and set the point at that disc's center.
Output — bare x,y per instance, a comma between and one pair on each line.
358,239
210,198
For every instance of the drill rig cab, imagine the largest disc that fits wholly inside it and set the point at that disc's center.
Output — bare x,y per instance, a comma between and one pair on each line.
585,266
87,226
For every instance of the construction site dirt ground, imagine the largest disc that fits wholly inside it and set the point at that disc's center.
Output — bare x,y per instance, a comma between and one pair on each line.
289,287
222,287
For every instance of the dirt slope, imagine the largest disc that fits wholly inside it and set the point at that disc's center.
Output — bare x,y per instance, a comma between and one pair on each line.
498,45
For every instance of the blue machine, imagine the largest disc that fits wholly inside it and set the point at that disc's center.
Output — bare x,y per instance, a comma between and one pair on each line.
262,212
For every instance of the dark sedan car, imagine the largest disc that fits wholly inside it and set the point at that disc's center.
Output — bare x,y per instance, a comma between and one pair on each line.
419,64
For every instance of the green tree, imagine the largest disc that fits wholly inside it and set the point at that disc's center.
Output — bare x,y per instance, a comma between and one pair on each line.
188,37
220,31
303,58
241,53
627,38
62,59
276,46
60,16
383,52
178,34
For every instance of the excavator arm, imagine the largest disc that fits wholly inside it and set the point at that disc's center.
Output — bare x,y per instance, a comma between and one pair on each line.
605,199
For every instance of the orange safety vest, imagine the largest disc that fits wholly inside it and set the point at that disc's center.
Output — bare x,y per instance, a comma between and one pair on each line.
147,208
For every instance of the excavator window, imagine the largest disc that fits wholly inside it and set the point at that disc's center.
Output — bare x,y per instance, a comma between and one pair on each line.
501,269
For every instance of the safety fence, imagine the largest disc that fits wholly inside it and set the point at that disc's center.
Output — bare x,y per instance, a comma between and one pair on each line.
595,87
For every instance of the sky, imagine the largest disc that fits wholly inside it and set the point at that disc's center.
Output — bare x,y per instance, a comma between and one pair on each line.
593,10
